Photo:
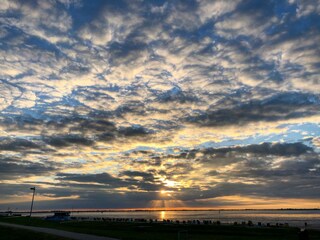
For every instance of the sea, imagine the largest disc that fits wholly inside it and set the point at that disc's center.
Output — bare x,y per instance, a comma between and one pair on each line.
298,218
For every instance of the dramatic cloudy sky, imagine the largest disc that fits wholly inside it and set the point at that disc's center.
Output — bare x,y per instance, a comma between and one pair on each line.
140,104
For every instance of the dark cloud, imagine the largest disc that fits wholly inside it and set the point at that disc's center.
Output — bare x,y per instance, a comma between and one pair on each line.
132,107
281,106
93,93
17,144
148,183
225,154
84,131
278,149
284,184
71,122
67,140
90,199
11,169
289,170
147,176
127,52
86,125
176,95
134,131
97,178
179,170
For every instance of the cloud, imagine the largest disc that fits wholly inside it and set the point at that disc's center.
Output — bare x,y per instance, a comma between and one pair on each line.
17,144
12,169
67,140
96,178
147,176
216,9
277,107
115,25
215,98
134,131
278,149
148,183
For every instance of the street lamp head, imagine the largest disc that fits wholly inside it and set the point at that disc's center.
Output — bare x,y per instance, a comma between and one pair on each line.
33,188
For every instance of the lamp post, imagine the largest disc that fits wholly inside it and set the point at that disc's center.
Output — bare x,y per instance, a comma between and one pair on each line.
34,190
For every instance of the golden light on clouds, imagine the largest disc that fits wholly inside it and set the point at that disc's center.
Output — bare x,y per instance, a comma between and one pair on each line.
170,105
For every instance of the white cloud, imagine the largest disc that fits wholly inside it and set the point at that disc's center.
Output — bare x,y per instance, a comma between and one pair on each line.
215,9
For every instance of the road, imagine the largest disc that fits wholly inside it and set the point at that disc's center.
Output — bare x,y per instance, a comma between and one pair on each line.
61,233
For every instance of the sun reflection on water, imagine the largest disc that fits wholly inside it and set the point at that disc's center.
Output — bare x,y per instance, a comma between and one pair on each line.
163,215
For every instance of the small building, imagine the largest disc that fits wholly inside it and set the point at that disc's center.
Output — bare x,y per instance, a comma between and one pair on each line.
59,216
6,214
9,214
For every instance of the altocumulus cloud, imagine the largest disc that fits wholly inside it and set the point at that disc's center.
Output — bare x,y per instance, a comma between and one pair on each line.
108,103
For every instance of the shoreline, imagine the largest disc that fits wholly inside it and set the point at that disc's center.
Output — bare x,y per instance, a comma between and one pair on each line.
160,210
292,217
183,222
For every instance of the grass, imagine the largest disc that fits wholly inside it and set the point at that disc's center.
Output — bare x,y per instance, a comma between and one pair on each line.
7,233
146,231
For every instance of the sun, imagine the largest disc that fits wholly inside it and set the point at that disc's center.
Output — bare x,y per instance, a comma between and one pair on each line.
163,192
170,183
166,193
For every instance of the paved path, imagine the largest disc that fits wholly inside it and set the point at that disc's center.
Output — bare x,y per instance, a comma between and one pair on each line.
61,233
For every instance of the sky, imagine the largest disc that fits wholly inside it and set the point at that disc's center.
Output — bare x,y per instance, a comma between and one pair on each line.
160,104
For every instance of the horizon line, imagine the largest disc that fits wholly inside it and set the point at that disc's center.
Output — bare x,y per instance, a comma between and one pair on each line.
157,209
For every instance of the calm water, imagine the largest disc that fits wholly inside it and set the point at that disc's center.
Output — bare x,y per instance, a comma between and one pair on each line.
293,217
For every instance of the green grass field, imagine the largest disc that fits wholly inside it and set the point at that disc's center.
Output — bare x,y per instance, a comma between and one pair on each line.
146,231
7,233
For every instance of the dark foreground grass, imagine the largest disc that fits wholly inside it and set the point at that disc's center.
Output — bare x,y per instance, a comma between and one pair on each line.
8,233
160,231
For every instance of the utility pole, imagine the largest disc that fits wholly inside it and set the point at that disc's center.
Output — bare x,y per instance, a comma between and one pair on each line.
34,190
